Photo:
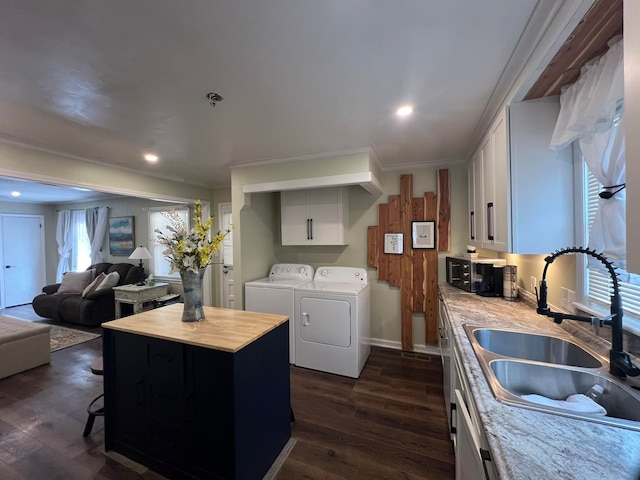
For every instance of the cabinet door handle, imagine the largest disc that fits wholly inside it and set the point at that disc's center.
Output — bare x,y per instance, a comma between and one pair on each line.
490,220
311,236
453,412
140,392
305,319
486,457
472,225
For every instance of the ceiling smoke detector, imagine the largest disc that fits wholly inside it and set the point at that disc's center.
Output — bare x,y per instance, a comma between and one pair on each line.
213,98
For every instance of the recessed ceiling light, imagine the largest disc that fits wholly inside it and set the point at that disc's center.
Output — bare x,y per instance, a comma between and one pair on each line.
151,157
15,193
404,110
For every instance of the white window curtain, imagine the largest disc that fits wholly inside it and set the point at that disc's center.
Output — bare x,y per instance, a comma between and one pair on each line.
80,245
592,112
96,222
63,237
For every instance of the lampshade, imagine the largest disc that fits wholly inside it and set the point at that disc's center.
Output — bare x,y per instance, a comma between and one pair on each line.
140,253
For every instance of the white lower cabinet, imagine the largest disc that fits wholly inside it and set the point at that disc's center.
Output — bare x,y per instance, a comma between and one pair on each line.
473,462
473,459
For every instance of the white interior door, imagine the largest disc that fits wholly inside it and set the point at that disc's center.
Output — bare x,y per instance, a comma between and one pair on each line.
23,258
226,282
228,287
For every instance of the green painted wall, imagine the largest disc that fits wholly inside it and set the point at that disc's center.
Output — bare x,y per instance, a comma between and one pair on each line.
257,237
22,162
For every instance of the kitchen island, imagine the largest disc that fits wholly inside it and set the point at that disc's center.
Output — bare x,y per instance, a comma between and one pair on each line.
526,444
208,399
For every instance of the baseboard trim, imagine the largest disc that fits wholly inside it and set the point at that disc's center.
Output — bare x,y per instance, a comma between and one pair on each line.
417,347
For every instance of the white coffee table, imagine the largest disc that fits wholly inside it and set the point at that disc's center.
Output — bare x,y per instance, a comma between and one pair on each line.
138,295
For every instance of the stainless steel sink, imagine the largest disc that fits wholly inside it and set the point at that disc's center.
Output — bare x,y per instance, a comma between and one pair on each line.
536,347
514,378
517,363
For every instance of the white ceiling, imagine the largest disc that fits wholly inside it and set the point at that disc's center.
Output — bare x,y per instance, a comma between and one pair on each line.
35,192
108,81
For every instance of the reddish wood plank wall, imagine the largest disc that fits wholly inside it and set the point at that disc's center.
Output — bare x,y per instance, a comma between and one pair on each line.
414,271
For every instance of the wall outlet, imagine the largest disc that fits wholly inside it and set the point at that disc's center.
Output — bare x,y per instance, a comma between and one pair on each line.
534,283
571,297
565,296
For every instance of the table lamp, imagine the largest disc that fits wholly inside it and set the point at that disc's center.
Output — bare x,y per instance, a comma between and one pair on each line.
140,253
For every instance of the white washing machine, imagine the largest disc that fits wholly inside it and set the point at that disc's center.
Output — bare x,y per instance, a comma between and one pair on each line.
332,321
274,294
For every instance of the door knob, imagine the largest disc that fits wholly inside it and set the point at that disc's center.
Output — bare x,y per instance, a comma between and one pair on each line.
9,266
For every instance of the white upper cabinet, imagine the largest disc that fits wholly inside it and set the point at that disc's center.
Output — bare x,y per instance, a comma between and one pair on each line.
632,129
526,200
314,216
474,236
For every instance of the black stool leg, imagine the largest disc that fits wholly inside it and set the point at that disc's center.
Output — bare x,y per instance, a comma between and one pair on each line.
93,413
89,425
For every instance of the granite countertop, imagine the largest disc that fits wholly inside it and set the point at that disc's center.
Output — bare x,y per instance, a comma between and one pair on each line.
222,329
526,444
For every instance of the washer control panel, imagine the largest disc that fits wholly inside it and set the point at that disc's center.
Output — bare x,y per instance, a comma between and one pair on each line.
287,271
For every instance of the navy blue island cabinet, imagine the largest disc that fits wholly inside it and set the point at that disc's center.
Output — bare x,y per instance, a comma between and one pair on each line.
205,400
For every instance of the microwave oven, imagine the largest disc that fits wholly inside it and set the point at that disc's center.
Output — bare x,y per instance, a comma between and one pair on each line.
463,272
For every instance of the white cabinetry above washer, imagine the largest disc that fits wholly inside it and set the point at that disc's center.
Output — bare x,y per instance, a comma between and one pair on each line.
314,217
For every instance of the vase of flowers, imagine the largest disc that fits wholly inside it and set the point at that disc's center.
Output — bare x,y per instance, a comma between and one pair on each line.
192,287
189,251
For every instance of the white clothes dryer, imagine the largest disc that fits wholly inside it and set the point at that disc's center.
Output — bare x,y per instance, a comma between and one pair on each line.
274,294
332,321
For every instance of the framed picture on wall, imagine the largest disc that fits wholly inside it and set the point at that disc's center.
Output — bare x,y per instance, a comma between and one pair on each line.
423,234
121,236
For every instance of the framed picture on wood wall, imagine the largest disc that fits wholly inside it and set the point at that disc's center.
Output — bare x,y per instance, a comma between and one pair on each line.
423,234
121,236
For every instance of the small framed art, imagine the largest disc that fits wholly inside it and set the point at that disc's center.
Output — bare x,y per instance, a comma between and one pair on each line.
121,236
423,234
393,243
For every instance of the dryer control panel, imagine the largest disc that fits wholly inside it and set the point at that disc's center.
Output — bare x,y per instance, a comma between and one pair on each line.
341,275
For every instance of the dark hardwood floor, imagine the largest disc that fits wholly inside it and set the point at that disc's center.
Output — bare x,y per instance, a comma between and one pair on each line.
390,423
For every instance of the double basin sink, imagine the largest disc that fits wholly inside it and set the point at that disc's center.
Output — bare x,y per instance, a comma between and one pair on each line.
517,363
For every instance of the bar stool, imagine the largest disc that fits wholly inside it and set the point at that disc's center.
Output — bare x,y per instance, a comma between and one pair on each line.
96,369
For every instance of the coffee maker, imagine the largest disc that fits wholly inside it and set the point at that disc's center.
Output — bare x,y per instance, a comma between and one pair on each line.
489,278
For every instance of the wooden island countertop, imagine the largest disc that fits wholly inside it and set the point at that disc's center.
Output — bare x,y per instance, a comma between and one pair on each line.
222,329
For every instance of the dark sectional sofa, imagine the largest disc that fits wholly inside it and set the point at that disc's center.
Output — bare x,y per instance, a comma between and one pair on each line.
94,309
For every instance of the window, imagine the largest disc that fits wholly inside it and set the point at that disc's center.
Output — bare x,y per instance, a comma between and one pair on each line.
597,286
159,265
81,247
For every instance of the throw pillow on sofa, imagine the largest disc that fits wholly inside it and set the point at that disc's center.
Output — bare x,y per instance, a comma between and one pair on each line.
93,285
109,281
76,282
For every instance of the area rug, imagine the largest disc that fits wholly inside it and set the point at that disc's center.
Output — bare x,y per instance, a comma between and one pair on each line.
62,337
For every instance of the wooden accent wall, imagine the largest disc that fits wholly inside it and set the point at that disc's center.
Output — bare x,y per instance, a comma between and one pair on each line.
589,39
414,271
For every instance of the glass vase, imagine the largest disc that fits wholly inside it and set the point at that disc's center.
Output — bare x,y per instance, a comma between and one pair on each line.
192,286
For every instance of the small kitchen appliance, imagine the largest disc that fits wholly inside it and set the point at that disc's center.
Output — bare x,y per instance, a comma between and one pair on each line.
510,282
489,279
463,272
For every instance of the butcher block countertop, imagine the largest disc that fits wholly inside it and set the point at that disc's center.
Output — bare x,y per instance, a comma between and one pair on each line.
527,444
222,329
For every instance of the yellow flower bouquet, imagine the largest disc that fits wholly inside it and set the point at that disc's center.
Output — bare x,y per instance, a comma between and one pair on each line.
190,249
